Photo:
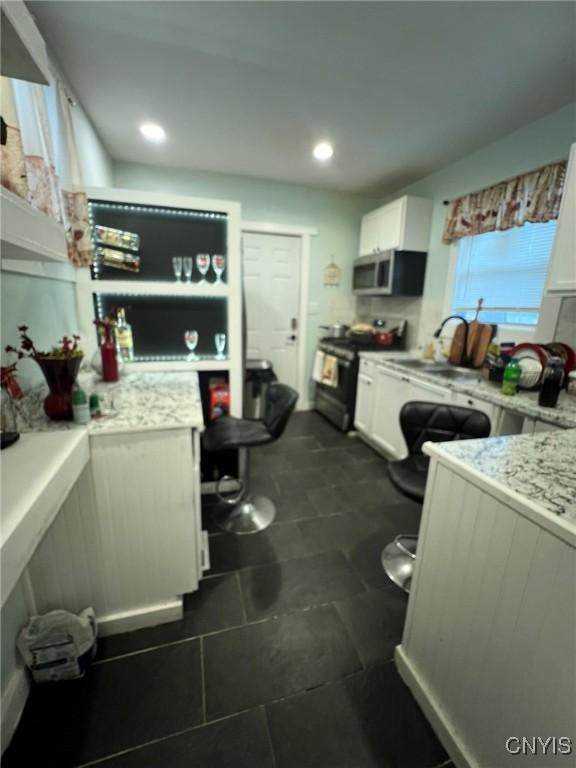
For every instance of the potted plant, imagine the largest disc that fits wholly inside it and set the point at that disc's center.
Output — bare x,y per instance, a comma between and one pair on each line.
60,367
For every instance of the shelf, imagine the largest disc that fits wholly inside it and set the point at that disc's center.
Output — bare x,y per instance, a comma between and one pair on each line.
38,473
28,234
210,364
153,288
24,55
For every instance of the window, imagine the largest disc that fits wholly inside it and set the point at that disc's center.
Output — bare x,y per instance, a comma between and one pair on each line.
507,269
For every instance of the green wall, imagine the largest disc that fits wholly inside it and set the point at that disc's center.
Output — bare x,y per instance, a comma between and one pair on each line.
336,217
541,142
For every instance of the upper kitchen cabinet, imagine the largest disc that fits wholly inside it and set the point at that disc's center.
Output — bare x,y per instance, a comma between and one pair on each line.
562,270
402,225
23,54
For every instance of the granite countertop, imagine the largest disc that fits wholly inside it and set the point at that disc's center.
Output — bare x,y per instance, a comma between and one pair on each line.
524,403
538,467
138,402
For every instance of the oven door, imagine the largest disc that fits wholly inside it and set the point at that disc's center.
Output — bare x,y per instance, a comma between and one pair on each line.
337,403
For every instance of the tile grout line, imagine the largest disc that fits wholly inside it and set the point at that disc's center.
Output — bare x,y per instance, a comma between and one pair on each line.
242,603
269,733
203,679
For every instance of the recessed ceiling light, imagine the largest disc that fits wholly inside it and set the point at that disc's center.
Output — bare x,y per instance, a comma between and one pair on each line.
323,151
153,132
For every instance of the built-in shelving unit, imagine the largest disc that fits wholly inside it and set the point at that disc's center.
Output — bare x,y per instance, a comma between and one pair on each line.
160,309
28,234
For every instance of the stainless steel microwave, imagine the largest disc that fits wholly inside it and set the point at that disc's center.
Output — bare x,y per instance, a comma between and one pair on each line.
372,274
389,273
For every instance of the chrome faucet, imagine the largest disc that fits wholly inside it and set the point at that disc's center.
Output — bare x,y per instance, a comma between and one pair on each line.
465,362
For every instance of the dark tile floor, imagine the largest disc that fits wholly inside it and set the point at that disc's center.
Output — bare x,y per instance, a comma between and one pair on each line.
284,656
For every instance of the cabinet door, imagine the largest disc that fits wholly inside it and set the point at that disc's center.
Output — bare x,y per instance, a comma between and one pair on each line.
478,405
364,404
390,225
392,391
429,393
562,271
369,233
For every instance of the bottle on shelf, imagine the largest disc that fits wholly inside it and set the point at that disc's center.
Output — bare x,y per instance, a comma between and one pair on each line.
80,406
108,352
511,377
124,338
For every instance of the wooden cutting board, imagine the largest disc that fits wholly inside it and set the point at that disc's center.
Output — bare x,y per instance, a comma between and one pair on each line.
484,335
457,346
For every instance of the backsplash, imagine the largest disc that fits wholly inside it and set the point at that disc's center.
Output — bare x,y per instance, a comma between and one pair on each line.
566,327
392,308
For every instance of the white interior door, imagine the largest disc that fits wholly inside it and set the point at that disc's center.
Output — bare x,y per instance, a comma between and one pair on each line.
271,268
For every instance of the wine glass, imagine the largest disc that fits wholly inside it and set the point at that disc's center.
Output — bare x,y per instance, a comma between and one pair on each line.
188,268
203,264
177,267
191,341
220,344
218,265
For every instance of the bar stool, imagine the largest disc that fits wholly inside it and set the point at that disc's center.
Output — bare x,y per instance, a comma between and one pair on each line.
421,422
251,513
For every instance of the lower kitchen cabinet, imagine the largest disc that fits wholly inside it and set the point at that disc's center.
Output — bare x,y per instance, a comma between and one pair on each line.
381,394
365,396
392,391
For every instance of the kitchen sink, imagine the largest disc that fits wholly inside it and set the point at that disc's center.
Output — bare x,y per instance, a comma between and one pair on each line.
455,373
441,369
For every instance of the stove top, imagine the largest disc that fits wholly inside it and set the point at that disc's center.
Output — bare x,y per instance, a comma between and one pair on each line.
349,349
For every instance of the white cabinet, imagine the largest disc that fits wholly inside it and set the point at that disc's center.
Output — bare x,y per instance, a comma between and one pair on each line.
402,225
428,393
492,411
562,270
365,397
392,391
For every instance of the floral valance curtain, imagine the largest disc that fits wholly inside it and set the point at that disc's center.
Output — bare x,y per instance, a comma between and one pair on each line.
532,197
40,159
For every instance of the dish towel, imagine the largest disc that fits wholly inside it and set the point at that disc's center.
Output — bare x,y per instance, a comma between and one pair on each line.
318,366
330,371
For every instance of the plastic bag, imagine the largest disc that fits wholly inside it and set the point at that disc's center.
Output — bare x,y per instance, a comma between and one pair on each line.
58,645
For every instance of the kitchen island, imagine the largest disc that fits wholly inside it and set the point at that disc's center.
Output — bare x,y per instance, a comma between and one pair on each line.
127,539
489,644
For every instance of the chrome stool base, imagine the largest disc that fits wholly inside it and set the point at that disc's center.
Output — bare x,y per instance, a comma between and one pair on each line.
398,560
250,515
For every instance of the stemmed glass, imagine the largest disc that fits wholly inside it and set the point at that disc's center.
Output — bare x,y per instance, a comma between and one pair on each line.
220,344
218,265
191,341
203,264
177,267
188,268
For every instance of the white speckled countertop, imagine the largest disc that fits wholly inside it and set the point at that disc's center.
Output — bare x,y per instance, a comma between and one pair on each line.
541,468
138,402
523,403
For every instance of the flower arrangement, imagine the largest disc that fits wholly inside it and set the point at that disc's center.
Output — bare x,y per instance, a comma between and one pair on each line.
60,367
67,349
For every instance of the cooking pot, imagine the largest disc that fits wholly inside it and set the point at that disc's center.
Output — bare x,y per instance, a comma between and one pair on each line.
336,330
386,338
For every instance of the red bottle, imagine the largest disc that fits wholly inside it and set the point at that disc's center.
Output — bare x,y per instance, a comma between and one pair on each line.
108,352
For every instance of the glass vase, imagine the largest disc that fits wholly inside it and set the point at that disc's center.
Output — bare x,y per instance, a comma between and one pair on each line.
60,375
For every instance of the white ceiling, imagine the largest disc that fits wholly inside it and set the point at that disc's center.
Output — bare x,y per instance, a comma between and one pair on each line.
401,88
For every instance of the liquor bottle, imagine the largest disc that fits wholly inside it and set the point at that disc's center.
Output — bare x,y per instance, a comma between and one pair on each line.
124,340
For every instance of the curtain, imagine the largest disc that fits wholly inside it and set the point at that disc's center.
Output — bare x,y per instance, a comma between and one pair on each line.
533,197
40,162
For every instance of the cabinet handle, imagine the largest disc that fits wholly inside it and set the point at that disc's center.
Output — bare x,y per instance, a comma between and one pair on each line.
405,378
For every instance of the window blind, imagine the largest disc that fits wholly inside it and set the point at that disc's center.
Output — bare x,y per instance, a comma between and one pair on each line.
507,269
